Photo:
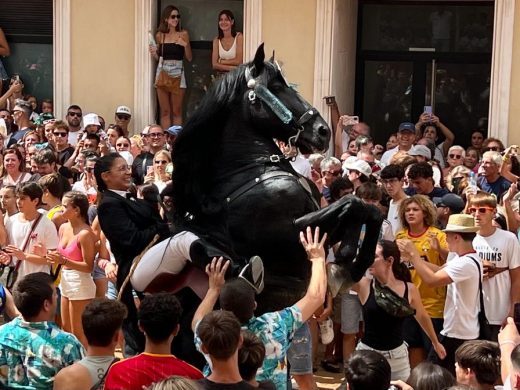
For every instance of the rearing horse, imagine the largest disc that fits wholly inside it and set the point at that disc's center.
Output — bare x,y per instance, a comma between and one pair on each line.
234,188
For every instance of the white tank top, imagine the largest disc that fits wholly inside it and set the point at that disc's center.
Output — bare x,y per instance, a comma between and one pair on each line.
227,54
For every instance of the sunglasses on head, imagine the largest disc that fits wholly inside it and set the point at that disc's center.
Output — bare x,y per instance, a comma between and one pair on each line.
72,113
60,134
481,210
178,16
455,156
123,117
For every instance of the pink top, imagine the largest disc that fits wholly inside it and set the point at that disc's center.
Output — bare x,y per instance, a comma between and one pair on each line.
71,251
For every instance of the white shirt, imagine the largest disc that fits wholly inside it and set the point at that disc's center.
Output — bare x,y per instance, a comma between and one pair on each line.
45,233
302,166
387,156
502,249
462,297
393,216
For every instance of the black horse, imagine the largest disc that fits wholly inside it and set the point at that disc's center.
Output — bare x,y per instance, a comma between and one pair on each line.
234,188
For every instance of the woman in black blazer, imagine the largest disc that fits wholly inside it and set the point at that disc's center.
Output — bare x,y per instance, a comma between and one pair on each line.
130,224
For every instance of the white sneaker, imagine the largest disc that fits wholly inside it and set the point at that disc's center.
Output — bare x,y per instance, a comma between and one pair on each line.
326,331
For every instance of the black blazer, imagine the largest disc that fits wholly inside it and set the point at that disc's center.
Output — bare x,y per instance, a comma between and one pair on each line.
130,226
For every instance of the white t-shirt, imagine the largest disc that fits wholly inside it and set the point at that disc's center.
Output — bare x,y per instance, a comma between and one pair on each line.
387,156
393,216
502,249
462,297
387,232
302,166
45,233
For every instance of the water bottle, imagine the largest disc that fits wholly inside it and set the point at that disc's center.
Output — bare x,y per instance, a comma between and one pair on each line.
473,182
151,39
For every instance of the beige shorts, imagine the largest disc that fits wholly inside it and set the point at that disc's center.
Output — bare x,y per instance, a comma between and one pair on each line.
76,285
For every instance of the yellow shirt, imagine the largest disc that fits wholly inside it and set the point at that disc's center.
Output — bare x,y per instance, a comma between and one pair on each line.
432,298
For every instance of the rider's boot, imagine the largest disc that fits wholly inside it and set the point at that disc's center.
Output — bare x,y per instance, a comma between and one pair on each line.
201,253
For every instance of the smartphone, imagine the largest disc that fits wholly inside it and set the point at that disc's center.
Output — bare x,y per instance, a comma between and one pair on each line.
350,120
329,99
149,169
516,315
428,109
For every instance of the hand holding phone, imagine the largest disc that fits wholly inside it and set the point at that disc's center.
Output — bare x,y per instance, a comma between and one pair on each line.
149,169
349,120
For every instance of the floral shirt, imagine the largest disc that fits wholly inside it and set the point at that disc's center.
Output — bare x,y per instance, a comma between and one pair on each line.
32,353
276,330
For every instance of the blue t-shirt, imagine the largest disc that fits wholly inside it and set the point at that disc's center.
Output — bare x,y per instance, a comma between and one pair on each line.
498,187
437,192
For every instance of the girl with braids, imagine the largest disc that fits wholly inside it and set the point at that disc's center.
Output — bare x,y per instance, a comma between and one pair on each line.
387,300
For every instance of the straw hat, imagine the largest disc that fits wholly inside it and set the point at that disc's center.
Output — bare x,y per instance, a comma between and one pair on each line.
461,223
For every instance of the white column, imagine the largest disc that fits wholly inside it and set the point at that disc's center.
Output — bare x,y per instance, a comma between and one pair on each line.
323,55
61,53
501,69
252,27
144,92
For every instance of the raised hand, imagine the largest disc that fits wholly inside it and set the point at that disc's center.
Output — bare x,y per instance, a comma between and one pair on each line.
313,246
216,271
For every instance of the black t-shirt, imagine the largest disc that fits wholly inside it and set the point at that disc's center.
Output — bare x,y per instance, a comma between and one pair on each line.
65,154
206,384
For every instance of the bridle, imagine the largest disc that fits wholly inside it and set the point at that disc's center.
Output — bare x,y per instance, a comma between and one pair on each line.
257,90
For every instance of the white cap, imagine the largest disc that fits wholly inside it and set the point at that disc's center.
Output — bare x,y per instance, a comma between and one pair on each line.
420,150
123,110
355,164
91,119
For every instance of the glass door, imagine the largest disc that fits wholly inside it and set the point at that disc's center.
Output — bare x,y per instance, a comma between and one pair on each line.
407,48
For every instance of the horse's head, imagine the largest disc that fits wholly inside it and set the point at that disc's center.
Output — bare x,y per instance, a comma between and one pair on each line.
276,108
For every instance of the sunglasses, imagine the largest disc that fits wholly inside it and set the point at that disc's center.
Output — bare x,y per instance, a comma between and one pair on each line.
178,16
144,135
123,117
60,134
454,156
492,148
77,114
161,162
333,173
123,145
481,210
155,135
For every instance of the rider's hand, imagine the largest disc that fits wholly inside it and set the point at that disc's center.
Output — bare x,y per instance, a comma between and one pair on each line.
313,246
216,271
111,272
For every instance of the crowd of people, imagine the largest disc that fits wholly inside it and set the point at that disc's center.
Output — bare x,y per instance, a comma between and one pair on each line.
81,199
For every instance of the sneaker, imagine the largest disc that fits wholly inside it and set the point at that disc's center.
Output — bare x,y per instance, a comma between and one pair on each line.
326,331
253,274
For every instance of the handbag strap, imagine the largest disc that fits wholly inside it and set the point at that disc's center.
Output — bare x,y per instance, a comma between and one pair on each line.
162,44
28,238
482,309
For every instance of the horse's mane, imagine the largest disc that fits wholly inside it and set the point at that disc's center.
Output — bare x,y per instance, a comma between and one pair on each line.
197,143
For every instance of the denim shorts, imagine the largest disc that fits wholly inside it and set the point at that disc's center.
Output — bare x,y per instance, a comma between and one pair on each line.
98,273
299,353
397,358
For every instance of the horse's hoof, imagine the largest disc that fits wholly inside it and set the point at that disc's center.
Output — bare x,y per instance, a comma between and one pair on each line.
253,273
339,281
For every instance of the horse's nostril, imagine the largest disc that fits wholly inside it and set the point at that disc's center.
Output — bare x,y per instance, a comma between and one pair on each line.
322,130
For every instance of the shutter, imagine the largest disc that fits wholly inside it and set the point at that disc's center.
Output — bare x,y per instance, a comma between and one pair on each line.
28,21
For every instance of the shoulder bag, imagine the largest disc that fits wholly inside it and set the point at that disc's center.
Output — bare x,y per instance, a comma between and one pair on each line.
485,329
164,80
12,275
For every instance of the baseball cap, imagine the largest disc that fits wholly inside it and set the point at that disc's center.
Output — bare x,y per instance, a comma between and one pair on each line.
91,119
407,126
452,201
174,130
354,164
420,150
123,110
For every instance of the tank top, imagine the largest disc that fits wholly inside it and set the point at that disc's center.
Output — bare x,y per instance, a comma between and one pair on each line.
172,51
383,331
72,251
97,366
227,54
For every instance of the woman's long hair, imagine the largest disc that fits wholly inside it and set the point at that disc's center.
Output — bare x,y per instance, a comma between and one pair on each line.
165,14
425,204
400,270
231,17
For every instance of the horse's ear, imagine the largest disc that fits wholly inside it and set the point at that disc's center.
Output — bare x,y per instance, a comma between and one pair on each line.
259,59
271,60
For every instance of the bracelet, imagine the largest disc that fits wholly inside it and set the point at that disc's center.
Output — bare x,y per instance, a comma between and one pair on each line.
507,342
